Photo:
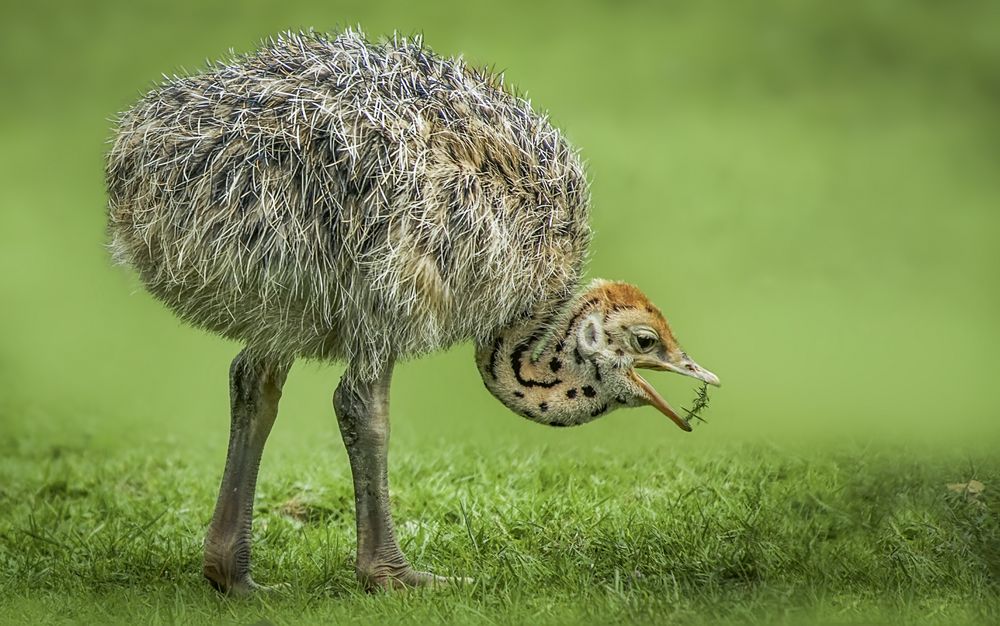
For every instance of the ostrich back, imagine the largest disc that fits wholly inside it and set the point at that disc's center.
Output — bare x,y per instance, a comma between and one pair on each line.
334,199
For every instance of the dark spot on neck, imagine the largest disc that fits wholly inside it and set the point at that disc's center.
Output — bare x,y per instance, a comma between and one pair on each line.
589,391
515,364
554,365
543,407
518,394
571,393
599,410
493,358
597,370
621,400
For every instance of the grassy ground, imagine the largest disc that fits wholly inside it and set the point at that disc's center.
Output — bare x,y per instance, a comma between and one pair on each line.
752,533
809,190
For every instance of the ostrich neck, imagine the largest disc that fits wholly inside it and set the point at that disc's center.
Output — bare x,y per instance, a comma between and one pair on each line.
537,371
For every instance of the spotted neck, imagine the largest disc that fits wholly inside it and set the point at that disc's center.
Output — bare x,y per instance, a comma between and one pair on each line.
559,387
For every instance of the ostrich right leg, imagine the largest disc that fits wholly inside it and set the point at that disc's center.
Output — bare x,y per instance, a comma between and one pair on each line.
363,414
254,389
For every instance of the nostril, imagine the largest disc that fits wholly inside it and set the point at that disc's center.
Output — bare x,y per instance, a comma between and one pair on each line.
689,367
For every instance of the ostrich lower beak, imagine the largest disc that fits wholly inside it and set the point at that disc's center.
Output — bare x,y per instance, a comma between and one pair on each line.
686,367
654,398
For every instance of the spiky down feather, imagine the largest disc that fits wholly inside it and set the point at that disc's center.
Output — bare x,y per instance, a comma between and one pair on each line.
326,197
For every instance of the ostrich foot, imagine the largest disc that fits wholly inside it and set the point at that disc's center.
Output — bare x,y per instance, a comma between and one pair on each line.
392,576
242,587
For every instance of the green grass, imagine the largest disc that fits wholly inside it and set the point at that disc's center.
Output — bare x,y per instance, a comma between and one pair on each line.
749,534
809,190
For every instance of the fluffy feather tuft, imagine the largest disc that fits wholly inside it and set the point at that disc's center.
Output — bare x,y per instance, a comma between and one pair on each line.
326,197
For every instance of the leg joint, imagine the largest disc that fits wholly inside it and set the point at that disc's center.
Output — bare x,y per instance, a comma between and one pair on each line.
357,414
251,374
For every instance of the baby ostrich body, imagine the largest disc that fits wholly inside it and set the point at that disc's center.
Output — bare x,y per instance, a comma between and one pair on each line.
333,199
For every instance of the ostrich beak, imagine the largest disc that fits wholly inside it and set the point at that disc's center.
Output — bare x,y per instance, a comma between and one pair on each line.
685,366
654,398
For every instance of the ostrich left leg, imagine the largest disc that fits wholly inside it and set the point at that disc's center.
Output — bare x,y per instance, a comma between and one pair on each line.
254,388
363,414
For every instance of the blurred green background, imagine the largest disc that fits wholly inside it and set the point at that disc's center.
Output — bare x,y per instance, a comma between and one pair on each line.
810,191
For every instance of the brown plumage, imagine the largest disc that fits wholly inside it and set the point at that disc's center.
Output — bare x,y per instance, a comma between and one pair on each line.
330,198
334,199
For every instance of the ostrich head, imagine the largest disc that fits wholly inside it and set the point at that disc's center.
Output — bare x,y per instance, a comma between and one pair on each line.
625,332
589,365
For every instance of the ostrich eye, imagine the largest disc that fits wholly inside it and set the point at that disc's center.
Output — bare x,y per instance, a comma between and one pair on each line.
645,341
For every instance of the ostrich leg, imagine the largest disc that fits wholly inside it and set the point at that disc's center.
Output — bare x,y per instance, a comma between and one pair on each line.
254,389
363,414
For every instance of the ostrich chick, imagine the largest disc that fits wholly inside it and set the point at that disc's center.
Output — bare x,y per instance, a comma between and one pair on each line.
334,199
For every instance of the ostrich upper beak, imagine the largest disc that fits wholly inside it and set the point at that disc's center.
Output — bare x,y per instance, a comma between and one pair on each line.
685,366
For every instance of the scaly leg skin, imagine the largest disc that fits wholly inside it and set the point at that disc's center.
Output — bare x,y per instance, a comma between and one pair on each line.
363,414
254,390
